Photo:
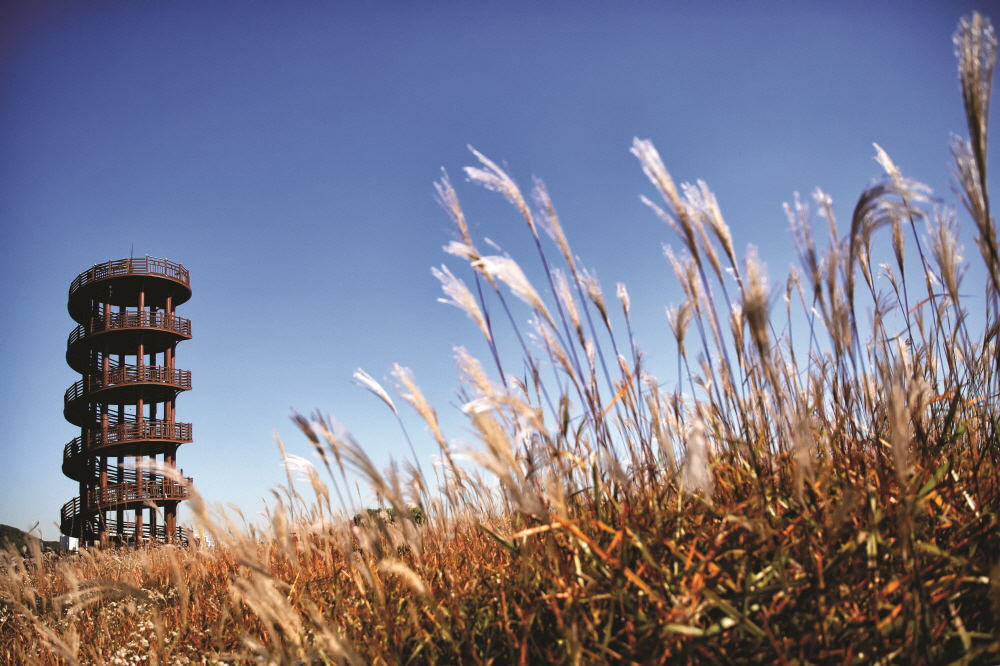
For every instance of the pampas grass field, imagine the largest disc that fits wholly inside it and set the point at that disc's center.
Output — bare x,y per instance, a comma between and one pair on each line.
818,486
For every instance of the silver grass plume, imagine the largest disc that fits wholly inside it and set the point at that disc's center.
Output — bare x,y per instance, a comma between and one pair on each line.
462,250
697,205
976,49
592,288
900,432
679,318
565,295
461,298
550,222
653,167
496,179
507,271
412,394
364,380
755,304
472,373
946,252
714,221
804,446
622,293
696,474
805,245
551,345
448,199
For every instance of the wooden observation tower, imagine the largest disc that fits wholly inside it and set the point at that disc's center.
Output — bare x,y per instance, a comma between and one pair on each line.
125,458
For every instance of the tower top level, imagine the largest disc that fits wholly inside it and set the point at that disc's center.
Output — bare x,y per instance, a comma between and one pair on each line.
124,282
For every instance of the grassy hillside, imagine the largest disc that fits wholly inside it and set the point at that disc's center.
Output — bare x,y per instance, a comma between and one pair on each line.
18,539
834,501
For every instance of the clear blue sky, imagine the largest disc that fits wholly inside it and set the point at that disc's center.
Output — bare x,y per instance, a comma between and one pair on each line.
285,153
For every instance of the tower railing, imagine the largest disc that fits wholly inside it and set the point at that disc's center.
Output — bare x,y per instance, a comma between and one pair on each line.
128,374
128,432
132,318
132,266
139,489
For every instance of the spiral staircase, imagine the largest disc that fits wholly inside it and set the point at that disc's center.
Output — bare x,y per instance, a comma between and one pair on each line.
125,459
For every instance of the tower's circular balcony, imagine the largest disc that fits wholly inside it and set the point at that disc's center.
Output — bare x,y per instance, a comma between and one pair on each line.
148,533
121,281
124,439
128,495
124,385
122,332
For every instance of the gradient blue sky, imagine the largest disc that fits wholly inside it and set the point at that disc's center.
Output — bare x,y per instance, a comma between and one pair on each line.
285,153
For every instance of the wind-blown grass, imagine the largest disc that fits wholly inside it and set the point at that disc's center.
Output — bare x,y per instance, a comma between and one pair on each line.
832,505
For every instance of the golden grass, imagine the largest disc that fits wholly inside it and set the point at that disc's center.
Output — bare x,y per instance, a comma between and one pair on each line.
830,505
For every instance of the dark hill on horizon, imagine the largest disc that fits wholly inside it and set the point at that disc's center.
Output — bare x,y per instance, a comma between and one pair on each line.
12,536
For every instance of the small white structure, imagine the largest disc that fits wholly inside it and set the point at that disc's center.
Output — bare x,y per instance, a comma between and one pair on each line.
68,543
